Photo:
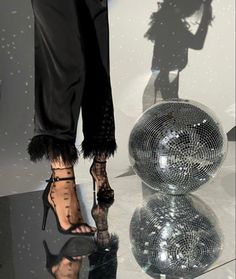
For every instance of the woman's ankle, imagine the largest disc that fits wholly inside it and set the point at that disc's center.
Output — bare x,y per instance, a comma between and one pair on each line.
101,157
60,164
63,172
60,169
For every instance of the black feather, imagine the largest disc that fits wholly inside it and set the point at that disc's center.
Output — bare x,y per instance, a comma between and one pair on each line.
92,148
53,149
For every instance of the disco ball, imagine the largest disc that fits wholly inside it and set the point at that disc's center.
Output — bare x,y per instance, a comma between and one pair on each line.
176,236
176,146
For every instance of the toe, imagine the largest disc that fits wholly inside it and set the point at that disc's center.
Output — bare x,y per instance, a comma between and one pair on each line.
88,229
79,230
83,230
76,230
93,229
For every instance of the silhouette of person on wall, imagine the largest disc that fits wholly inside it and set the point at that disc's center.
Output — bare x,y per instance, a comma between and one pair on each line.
170,32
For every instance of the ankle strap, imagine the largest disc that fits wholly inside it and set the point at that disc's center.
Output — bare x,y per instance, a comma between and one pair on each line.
101,162
55,179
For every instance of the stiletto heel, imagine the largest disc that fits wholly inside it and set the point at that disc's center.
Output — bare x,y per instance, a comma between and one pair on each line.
94,192
46,205
45,215
94,186
104,192
51,259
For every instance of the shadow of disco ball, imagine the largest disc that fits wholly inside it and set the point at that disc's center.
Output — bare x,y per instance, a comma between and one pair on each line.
175,236
176,146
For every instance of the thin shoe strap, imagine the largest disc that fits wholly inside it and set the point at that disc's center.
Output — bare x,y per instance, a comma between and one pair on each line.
57,178
101,162
54,179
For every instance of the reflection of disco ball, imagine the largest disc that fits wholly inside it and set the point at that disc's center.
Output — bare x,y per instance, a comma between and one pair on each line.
176,146
175,235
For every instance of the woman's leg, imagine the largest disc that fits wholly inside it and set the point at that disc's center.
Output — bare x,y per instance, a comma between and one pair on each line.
99,174
72,70
59,80
97,103
59,85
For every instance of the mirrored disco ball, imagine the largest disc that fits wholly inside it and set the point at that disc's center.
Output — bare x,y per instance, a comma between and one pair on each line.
176,236
176,146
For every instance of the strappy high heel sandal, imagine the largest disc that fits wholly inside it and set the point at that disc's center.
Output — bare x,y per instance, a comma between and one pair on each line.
98,171
53,260
47,205
99,213
103,263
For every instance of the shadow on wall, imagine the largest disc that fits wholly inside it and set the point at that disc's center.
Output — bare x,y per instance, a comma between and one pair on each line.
232,134
170,32
172,37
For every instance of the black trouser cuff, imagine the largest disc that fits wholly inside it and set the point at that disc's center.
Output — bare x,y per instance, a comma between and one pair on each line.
53,149
95,147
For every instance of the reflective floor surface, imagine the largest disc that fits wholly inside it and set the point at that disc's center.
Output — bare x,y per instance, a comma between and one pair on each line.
150,235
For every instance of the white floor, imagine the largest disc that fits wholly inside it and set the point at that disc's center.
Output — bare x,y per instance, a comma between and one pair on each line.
219,195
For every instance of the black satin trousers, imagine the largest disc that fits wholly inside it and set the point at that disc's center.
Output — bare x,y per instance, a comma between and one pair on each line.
72,74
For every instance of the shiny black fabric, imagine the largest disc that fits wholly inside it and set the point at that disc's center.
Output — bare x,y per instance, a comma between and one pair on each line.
72,73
